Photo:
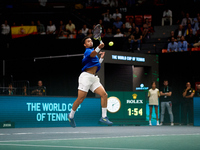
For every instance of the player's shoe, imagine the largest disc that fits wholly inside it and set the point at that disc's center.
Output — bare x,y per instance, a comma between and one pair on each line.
71,121
105,121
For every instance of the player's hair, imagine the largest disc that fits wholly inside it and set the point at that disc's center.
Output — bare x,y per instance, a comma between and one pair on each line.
166,80
153,82
83,40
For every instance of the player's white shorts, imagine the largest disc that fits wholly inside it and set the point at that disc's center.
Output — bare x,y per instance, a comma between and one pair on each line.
88,81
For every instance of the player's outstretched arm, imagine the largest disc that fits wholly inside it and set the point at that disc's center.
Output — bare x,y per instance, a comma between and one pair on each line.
96,51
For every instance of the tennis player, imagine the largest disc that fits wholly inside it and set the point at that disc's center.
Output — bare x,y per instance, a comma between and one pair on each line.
89,81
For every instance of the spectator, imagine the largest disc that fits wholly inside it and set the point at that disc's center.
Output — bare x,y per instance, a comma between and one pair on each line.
80,35
185,20
118,24
167,16
166,101
197,23
118,34
128,33
5,28
61,30
40,28
182,44
145,31
24,90
32,23
172,35
39,90
180,17
114,3
85,29
187,108
70,27
105,3
197,44
179,32
172,46
51,28
107,18
117,14
153,95
108,33
135,38
11,90
133,28
123,28
187,31
190,38
151,30
89,33
129,22
197,92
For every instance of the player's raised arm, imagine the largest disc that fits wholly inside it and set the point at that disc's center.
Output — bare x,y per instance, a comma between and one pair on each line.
97,50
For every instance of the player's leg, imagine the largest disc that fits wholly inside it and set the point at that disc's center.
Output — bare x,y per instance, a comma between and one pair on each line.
81,96
156,111
101,91
162,112
169,108
150,113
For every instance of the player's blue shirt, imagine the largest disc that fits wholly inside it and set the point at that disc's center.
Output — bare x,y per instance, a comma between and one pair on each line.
88,61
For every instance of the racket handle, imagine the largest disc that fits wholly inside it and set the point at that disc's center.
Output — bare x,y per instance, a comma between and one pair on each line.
101,42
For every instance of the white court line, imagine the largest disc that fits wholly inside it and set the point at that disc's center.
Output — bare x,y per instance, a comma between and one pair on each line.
74,147
90,138
48,133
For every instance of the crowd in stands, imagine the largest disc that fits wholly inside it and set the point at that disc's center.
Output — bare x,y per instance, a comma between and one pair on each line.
187,35
116,24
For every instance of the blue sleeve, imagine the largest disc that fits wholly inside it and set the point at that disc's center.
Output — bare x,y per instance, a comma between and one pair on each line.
179,46
176,46
168,47
185,45
88,52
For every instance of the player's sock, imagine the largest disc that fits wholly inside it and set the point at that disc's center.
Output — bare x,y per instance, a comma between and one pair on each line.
71,115
104,112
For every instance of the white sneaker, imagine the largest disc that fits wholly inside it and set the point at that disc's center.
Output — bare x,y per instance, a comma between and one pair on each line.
172,124
150,123
161,124
157,123
138,49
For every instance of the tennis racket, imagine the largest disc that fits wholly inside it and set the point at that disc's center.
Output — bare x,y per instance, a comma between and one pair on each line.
97,33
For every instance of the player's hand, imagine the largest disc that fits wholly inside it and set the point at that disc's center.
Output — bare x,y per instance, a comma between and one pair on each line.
102,54
101,45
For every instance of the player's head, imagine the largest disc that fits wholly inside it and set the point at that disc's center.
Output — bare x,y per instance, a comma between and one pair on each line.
188,84
165,82
87,42
153,84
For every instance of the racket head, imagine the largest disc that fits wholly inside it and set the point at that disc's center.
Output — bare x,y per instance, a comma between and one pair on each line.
97,32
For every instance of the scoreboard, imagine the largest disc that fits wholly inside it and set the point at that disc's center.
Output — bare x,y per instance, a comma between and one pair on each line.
127,107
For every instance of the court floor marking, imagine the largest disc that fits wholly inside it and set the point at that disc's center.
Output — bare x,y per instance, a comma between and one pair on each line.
90,138
28,133
74,147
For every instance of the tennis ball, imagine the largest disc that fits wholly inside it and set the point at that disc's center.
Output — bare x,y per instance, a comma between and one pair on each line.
111,43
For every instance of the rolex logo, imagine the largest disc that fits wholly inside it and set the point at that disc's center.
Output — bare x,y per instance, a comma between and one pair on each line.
134,96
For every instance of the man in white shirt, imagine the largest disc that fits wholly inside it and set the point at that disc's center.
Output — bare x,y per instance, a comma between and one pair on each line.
51,28
70,27
184,21
117,14
167,16
85,29
5,28
118,33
